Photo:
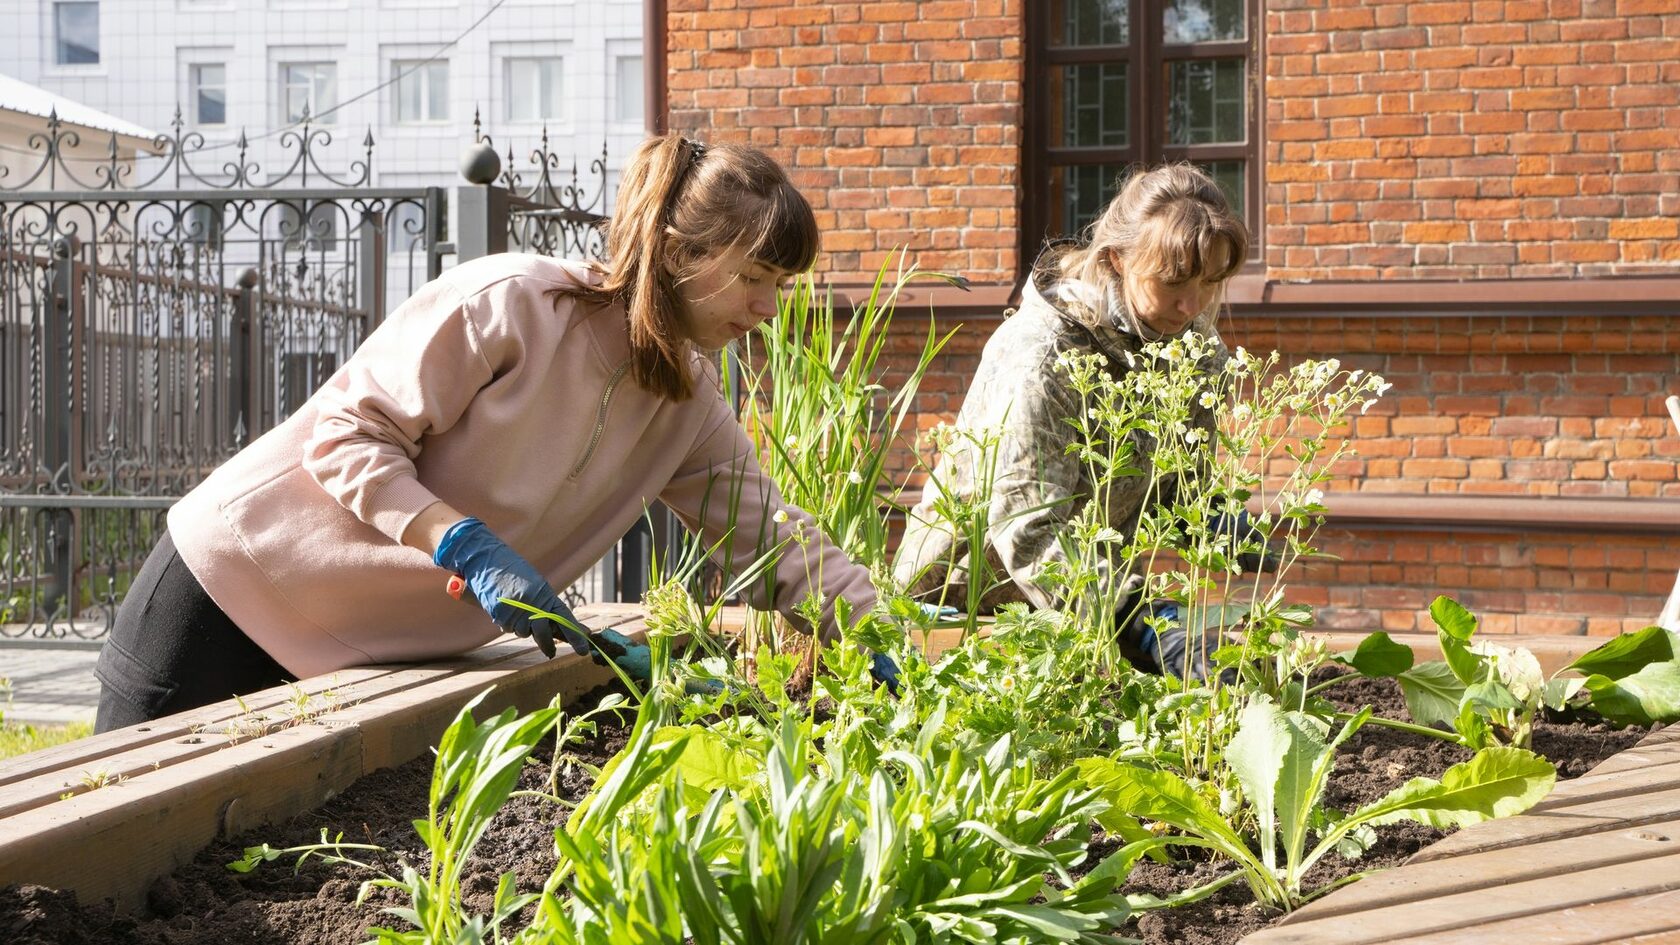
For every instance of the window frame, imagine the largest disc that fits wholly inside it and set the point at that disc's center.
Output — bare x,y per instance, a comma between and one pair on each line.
58,45
313,101
194,86
421,75
1148,61
561,112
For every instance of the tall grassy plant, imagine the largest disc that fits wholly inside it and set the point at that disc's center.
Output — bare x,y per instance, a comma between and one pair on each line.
817,403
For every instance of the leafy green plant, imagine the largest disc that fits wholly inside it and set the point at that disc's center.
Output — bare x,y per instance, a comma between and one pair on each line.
1283,760
1484,693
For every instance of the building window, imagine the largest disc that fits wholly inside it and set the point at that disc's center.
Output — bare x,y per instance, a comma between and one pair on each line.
308,88
532,88
628,108
76,34
422,90
207,90
1118,83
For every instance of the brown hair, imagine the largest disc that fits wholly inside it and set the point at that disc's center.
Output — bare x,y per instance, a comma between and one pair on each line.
680,202
1171,222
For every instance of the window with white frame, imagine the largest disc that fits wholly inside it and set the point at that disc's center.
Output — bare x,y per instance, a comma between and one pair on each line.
207,91
628,107
76,34
308,87
422,90
532,88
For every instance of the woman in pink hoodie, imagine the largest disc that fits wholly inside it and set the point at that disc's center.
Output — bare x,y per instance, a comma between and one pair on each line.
507,423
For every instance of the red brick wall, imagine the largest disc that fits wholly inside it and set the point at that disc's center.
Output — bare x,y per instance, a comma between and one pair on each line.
1501,405
1484,139
899,120
1404,140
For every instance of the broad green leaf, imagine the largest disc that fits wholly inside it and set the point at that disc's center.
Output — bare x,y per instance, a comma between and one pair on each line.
1432,692
1452,618
1273,755
1629,653
1162,796
1558,692
1497,782
1216,617
708,762
1379,657
1493,695
1457,626
1650,695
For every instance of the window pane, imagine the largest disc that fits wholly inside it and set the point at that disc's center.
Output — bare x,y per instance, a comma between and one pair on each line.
325,92
1231,178
1203,21
1089,105
437,91
1078,194
76,33
533,89
1205,105
409,90
1090,22
629,90
209,94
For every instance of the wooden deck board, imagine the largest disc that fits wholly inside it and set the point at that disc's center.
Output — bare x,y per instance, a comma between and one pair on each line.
1646,919
1477,909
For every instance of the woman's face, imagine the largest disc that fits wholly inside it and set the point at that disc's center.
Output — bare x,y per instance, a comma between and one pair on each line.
728,295
1164,308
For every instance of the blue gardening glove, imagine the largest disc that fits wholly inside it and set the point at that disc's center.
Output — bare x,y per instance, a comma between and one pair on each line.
884,671
493,571
634,658
934,612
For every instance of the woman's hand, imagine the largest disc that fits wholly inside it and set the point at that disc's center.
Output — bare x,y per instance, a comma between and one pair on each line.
494,571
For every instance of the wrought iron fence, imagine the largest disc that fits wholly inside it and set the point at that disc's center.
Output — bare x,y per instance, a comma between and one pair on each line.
155,318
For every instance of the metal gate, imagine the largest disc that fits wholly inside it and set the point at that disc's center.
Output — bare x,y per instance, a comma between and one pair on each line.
156,317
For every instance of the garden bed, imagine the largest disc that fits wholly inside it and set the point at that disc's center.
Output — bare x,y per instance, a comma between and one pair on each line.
204,902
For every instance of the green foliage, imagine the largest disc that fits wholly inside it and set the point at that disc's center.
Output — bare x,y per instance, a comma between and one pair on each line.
1490,694
1283,760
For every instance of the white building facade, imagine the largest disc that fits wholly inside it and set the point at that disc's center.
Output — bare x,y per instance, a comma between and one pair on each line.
414,72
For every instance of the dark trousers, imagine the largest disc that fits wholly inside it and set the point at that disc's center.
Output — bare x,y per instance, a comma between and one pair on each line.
172,649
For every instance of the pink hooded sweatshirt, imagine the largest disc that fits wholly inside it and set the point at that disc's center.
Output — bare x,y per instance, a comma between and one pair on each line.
484,392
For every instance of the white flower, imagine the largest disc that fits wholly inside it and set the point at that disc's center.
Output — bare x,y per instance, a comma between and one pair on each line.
1356,375
1382,387
780,516
1242,412
855,478
1208,400
1315,496
1131,360
792,442
1195,436
1367,405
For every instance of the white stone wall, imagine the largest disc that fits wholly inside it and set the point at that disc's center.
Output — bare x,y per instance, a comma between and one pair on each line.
146,47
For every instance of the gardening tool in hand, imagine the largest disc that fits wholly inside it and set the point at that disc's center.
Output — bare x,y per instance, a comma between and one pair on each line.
604,646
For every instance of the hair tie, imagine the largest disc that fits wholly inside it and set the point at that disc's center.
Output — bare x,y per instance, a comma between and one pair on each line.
695,153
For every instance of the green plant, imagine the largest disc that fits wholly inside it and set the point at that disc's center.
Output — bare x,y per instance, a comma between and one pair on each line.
1283,760
1485,693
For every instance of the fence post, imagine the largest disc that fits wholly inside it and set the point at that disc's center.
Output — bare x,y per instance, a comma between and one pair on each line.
481,210
481,214
243,383
371,278
58,401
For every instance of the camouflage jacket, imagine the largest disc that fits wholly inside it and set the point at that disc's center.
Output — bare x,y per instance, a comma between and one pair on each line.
1020,396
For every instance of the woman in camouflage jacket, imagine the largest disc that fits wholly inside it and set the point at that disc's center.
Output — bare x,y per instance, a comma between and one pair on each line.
1155,267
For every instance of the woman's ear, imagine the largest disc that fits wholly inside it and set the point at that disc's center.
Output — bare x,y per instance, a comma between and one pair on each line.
1116,261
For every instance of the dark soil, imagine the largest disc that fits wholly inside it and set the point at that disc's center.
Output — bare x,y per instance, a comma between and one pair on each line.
204,903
